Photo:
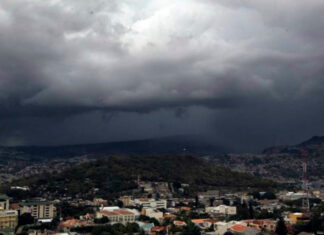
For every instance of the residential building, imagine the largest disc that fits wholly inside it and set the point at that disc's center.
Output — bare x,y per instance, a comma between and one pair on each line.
222,210
296,217
262,224
126,200
244,230
72,223
146,187
152,213
202,223
100,202
38,209
8,220
4,202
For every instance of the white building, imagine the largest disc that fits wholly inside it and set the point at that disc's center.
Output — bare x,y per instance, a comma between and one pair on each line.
151,203
152,213
222,209
117,216
293,196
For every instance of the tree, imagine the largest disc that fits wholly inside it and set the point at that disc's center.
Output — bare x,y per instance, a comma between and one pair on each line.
211,201
118,228
281,228
251,211
269,196
143,218
102,220
132,228
154,221
211,228
316,222
120,204
191,229
25,218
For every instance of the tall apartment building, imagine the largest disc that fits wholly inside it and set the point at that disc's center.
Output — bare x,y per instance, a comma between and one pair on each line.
38,209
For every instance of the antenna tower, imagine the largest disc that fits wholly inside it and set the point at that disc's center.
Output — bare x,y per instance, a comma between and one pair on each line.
305,185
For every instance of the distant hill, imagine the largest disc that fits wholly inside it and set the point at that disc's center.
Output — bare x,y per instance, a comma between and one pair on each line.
283,163
167,145
313,145
118,173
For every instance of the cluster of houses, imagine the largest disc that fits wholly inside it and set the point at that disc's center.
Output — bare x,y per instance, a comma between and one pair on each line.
210,211
40,210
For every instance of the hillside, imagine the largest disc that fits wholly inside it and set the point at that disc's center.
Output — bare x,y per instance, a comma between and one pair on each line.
314,146
117,174
282,163
167,145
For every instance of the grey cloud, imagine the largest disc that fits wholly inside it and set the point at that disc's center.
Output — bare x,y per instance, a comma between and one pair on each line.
71,58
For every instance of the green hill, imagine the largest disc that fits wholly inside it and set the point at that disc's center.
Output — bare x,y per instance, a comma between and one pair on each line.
107,177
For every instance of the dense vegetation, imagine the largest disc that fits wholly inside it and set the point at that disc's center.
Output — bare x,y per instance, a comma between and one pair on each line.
117,174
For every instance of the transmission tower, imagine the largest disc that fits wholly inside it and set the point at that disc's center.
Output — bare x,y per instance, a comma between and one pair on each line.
305,185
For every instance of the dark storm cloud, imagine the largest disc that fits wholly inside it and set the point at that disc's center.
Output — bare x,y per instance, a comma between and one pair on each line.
64,58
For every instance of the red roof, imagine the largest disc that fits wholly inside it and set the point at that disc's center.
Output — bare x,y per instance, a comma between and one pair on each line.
185,208
14,206
169,216
158,229
116,212
108,213
198,221
124,212
239,228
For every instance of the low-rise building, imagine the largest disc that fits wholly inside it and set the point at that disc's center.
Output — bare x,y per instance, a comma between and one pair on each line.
244,230
222,210
179,223
126,200
296,217
4,202
146,203
291,196
72,223
117,216
152,213
202,223
100,202
262,224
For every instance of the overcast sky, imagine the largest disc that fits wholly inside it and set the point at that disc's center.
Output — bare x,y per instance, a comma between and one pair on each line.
247,73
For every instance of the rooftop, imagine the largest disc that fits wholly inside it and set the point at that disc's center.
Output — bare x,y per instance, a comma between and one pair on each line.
4,197
30,203
116,212
238,228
